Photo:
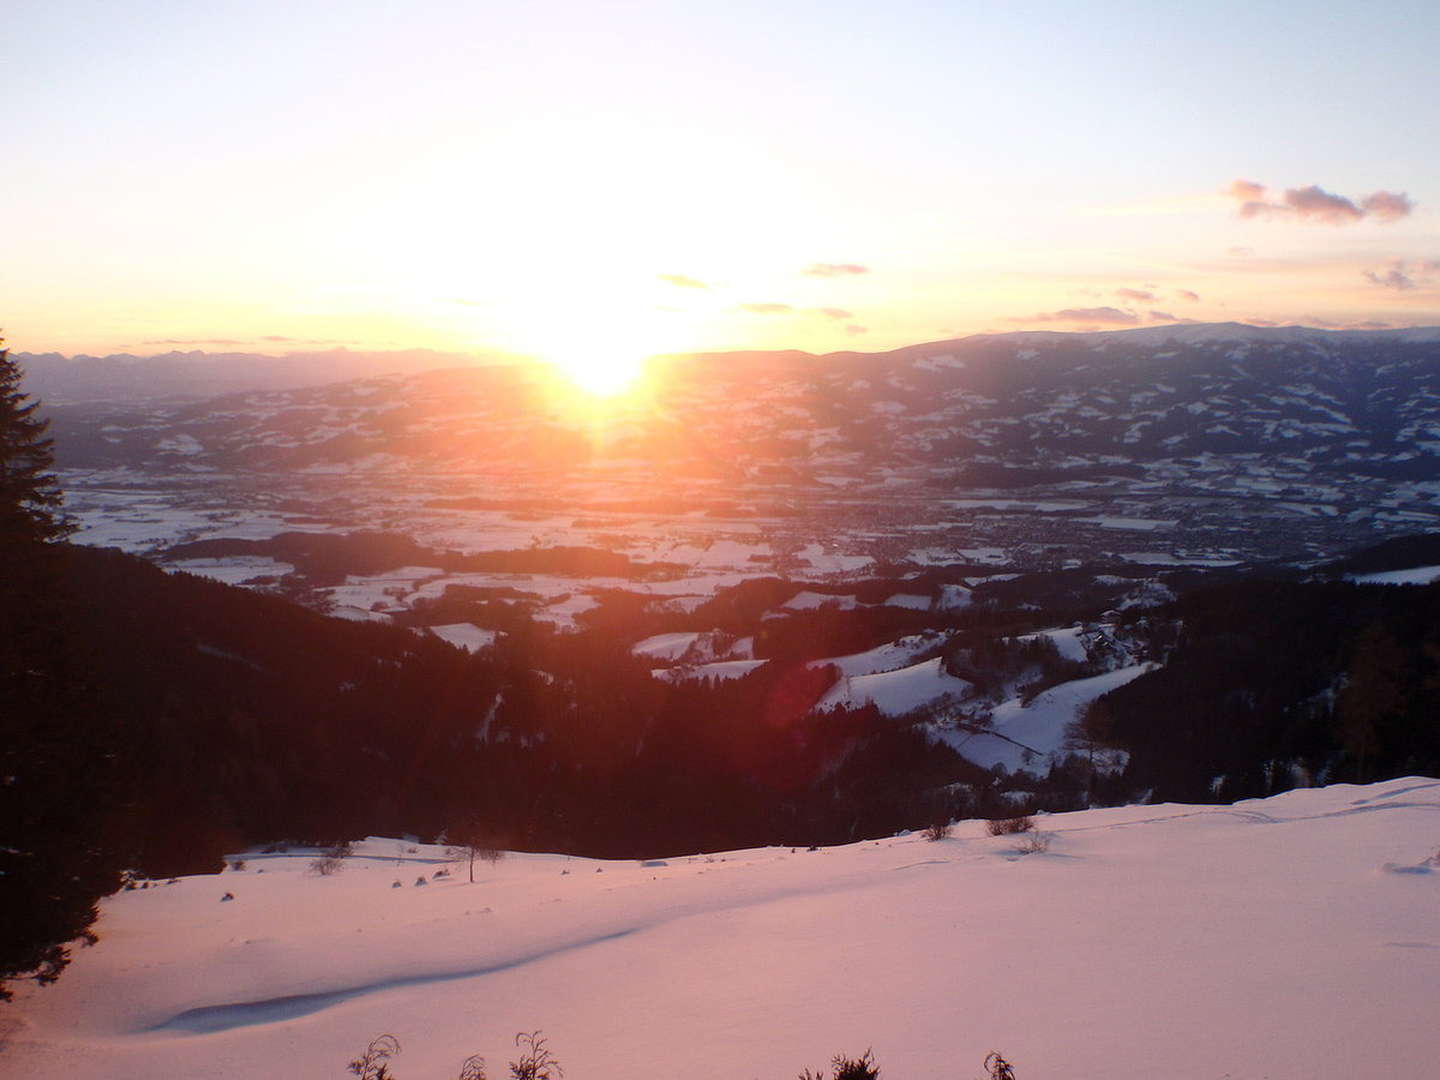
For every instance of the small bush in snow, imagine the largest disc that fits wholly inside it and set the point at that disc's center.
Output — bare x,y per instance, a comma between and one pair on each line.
1009,826
1035,843
371,1064
998,1067
332,860
938,830
536,1062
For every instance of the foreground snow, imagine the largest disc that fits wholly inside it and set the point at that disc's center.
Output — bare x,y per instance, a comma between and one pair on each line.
1294,937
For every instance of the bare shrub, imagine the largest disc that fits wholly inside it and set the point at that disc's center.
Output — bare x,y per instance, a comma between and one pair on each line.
471,842
848,1068
332,860
998,1068
371,1064
536,1062
1035,843
937,830
1010,826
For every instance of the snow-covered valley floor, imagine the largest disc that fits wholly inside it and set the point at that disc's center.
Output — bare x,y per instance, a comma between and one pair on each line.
1294,937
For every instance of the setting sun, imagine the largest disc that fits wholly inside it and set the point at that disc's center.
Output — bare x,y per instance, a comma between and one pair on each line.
599,371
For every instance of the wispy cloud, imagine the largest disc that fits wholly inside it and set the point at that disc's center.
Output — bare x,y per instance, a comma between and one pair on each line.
1405,276
682,281
1135,294
193,341
1313,204
766,309
834,270
834,313
1093,316
1186,294
853,329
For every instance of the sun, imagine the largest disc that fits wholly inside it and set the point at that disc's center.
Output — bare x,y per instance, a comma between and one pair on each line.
599,371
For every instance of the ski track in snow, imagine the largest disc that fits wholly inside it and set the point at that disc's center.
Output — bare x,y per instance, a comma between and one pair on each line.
1285,937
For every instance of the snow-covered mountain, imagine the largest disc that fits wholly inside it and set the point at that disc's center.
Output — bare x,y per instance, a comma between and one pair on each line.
1172,401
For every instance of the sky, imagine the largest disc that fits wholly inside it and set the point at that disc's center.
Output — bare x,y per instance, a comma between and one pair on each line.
588,181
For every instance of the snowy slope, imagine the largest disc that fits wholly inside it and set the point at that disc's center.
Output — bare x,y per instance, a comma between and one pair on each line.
1039,726
1294,937
896,692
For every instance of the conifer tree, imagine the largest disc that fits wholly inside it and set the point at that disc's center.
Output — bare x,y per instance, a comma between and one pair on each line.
56,767
29,495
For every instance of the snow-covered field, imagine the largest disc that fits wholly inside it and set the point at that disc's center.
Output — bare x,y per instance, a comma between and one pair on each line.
1295,937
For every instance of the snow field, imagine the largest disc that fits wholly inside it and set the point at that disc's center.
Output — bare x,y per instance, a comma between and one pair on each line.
1269,939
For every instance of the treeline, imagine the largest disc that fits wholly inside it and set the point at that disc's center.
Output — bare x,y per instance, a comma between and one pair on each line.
231,717
1276,684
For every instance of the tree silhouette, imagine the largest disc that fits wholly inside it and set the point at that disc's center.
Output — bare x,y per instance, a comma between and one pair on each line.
29,495
57,770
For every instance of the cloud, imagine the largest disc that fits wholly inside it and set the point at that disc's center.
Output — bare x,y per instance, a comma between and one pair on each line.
193,341
1239,251
1394,278
682,282
834,313
1162,316
1246,190
1405,276
852,329
1388,205
1109,316
1186,294
834,270
1316,205
1135,294
766,309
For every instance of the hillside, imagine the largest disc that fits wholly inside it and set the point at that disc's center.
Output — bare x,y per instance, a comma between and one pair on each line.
1288,937
1184,445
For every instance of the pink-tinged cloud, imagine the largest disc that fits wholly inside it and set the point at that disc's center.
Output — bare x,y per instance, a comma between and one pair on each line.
1405,276
1313,204
767,309
1246,191
1186,294
1163,316
681,281
1135,294
834,270
1394,278
852,329
194,341
835,313
1388,205
1108,316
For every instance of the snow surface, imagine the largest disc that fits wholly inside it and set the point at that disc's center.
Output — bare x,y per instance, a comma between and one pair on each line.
1069,641
1293,937
1418,575
887,657
465,635
1037,728
898,692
